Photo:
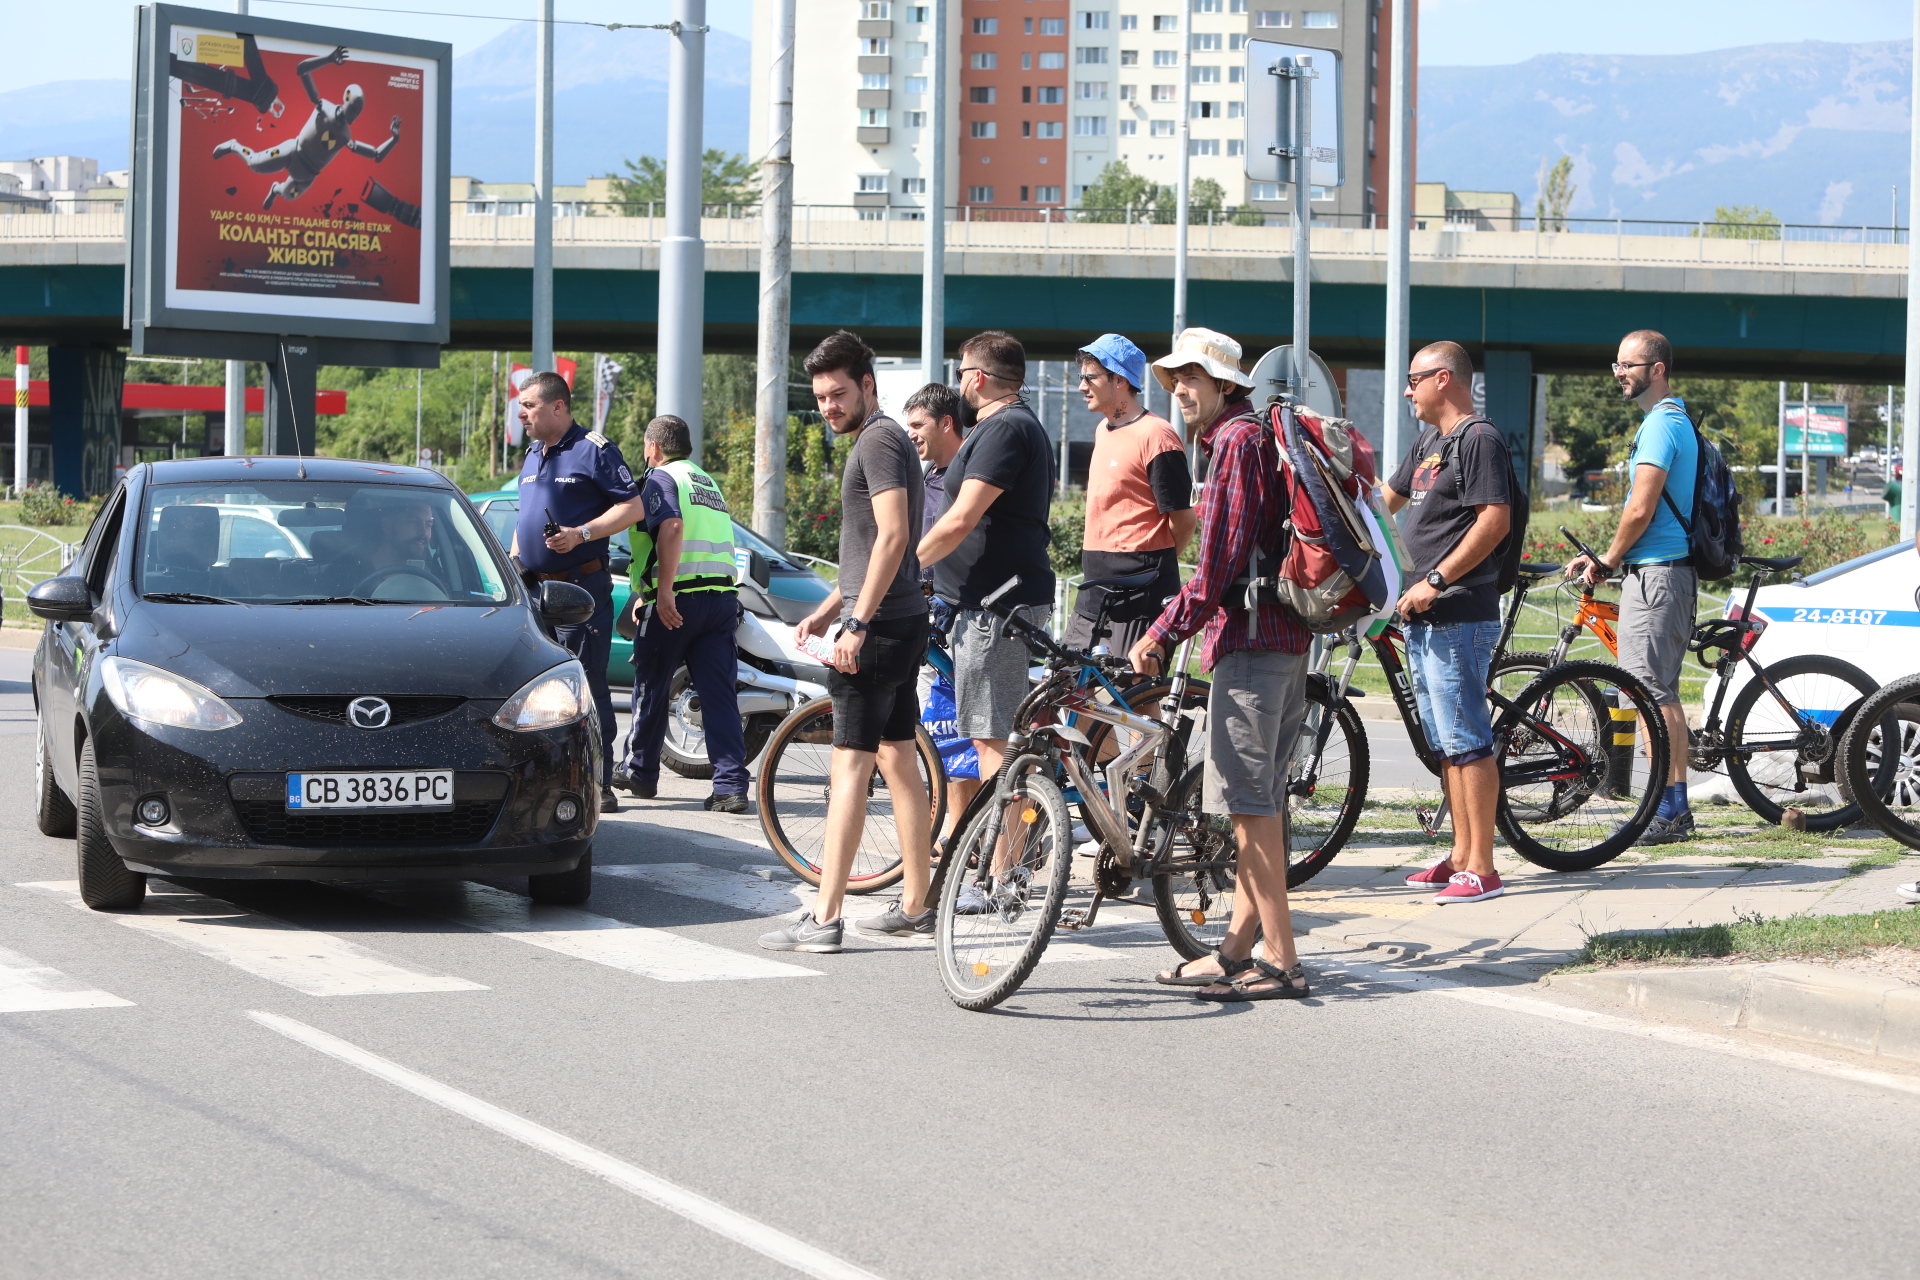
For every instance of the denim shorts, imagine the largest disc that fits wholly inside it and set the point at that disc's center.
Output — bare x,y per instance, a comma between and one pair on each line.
1448,663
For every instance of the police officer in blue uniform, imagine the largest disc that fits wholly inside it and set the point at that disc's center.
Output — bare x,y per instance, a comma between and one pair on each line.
577,480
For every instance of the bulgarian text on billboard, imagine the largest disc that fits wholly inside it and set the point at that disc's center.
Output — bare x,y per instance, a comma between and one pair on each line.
1827,434
301,178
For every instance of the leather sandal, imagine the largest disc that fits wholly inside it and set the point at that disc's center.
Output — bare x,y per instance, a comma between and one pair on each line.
1231,968
1239,990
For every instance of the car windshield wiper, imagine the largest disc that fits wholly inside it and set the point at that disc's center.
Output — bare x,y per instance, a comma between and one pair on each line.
187,597
335,600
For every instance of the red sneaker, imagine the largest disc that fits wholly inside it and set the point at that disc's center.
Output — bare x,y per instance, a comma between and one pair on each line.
1437,874
1465,886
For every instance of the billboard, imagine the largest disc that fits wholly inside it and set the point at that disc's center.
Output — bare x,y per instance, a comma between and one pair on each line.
288,179
1825,437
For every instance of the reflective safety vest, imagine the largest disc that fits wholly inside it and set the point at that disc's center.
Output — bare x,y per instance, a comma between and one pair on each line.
706,539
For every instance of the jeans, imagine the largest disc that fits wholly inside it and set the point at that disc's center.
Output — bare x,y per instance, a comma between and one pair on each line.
1449,662
704,644
592,643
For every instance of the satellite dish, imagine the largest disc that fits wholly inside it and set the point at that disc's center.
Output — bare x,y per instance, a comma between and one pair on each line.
1275,370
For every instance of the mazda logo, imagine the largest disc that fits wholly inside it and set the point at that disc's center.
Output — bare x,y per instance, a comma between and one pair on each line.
369,713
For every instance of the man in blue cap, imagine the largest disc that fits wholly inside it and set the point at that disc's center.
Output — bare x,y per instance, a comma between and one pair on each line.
1139,494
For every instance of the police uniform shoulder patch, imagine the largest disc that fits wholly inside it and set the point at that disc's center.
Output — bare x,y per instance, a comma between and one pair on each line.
598,439
626,476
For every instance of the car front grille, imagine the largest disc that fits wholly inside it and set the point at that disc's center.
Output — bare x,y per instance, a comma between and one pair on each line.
333,708
466,823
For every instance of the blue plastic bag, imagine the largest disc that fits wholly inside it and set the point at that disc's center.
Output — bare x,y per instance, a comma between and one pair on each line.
937,713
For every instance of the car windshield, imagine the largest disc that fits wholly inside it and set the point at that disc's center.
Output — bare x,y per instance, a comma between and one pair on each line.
282,541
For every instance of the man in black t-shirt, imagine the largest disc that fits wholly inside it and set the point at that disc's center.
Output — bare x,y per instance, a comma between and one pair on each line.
1456,486
999,488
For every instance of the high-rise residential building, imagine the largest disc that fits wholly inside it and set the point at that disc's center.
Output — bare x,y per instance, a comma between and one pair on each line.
1044,94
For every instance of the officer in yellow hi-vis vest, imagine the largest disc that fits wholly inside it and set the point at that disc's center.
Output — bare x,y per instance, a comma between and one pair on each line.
683,563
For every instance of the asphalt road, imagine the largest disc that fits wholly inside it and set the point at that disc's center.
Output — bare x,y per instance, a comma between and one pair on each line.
304,1080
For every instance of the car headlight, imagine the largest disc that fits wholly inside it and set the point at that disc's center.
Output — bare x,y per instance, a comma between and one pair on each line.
161,697
547,701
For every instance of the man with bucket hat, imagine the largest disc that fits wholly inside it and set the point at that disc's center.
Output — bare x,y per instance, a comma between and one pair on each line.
1139,495
1257,653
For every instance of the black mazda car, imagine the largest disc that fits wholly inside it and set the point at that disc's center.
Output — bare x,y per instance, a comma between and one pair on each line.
309,669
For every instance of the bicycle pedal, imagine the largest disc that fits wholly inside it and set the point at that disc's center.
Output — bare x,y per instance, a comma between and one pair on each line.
1073,918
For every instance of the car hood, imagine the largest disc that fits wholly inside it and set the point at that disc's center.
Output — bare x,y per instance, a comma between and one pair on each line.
264,650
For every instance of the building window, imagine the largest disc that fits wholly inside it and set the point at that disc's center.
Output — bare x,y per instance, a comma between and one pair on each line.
1026,62
872,182
916,84
1236,6
913,186
876,81
980,129
1090,89
986,26
1129,57
1089,126
1052,95
909,215
1166,57
1320,18
1049,129
1203,146
873,47
1023,194
981,94
920,13
1236,74
1129,93
1026,128
1046,195
1206,41
979,195
915,119
916,48
1162,93
1206,110
1090,55
876,10
1236,146
1166,22
1206,75
1092,20
1129,22
1206,6
1236,42
873,117
1236,110
872,215
1160,128
1263,191
1056,61
1053,26
1273,18
984,62
1128,128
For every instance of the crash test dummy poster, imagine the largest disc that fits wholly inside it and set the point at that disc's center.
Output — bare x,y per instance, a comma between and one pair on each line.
299,172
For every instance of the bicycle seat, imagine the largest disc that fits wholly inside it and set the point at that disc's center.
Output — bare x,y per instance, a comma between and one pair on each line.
1539,570
1132,582
1773,564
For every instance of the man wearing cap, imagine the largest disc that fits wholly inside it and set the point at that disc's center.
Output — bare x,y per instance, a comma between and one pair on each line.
1139,495
1258,657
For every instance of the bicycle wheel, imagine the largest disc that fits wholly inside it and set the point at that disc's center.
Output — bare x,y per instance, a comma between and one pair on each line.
1513,672
1194,890
794,786
1879,774
1779,756
1565,802
1326,783
988,949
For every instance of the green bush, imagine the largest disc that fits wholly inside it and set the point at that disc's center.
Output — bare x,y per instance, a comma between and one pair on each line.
1822,540
1068,520
44,504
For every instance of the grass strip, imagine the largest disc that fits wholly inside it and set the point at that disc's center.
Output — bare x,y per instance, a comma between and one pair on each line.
1755,937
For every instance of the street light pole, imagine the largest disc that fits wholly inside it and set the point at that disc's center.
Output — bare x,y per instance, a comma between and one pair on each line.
1180,215
933,271
682,254
1302,223
1393,409
776,290
1910,442
543,190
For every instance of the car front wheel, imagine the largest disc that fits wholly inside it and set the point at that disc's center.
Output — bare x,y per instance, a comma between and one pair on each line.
564,888
106,884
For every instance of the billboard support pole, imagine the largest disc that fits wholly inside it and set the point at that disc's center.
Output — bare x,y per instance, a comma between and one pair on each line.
1910,435
235,444
1806,429
682,255
1780,459
291,382
933,269
776,290
1393,414
543,191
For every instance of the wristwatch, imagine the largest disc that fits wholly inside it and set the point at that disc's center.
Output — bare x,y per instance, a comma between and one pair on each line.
585,534
1435,581
853,626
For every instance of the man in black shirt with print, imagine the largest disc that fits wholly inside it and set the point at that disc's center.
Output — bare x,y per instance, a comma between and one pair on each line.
1457,487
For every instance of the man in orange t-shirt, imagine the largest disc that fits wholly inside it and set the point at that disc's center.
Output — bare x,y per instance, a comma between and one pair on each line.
1139,495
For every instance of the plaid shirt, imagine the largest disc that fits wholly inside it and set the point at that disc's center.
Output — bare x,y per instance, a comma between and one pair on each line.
1241,506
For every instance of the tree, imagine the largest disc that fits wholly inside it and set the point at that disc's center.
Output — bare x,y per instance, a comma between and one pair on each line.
725,178
1741,222
1117,190
1556,194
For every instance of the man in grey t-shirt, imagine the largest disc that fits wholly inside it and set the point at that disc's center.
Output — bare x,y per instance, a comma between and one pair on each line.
877,652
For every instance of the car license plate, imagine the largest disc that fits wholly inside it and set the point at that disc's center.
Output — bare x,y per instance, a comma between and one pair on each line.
381,789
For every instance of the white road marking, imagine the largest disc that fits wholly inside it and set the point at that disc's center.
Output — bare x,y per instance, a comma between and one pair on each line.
27,986
652,953
696,1208
304,959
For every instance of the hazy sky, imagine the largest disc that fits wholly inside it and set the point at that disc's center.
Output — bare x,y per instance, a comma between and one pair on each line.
93,39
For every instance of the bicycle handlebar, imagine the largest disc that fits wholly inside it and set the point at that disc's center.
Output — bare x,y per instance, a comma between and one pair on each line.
1586,551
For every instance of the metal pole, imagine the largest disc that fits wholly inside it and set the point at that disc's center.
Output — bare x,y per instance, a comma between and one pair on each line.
1910,442
418,376
1302,222
1065,367
776,290
1780,459
236,406
1393,412
1180,214
22,383
1806,430
1886,458
682,255
543,190
933,270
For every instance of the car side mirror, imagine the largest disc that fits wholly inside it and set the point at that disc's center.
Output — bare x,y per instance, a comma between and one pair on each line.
565,605
758,569
67,599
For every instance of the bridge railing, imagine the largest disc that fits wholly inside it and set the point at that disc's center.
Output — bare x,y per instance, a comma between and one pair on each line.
1236,233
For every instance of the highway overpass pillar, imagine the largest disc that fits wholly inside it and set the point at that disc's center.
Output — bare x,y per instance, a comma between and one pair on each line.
84,386
1510,406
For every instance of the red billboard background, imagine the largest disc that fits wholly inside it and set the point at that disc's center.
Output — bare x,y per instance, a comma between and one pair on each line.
326,240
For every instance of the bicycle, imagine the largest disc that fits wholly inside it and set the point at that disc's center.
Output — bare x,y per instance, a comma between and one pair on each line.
1878,755
1771,750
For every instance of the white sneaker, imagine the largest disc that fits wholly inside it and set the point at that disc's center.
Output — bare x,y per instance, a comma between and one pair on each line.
1080,833
1910,892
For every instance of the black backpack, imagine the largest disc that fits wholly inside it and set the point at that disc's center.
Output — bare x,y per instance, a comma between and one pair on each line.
1503,566
1713,531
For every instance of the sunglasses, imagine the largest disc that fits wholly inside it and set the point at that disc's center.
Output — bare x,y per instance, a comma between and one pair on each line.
1413,379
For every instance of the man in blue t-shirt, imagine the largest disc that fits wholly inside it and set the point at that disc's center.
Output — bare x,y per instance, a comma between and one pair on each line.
1658,596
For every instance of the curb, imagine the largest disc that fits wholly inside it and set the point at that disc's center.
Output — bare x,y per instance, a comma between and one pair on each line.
1875,1016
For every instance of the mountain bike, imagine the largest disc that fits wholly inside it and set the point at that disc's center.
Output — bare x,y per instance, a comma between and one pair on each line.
1779,739
1879,754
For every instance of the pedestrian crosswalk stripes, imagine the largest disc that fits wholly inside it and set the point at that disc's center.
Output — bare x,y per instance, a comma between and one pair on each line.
27,986
307,960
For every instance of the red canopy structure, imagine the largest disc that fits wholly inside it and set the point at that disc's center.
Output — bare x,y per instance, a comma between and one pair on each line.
169,398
